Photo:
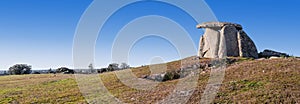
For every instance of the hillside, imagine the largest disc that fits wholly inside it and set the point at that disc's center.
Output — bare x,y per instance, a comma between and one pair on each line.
246,80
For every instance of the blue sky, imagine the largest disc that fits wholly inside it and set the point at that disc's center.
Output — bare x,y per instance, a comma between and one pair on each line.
40,32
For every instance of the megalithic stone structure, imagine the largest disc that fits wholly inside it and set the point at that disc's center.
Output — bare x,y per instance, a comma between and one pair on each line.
223,39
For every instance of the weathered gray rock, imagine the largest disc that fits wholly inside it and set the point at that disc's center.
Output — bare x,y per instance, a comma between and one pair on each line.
261,59
156,77
231,41
219,25
210,41
222,39
269,53
246,45
274,57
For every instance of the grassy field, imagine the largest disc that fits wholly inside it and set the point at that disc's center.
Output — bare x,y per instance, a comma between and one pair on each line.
246,81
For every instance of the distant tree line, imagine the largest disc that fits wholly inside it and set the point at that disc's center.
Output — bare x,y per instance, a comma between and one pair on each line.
20,69
114,67
109,68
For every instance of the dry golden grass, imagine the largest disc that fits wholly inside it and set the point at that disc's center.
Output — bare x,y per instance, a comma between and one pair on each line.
246,81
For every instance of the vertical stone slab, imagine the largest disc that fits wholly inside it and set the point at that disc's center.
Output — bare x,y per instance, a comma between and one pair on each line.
222,47
201,45
247,47
230,33
212,39
241,53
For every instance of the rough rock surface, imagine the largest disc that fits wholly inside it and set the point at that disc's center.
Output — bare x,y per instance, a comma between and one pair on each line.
246,45
231,40
212,37
269,53
219,24
222,39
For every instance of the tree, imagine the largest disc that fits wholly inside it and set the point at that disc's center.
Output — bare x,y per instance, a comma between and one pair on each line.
19,69
91,66
113,67
124,66
5,73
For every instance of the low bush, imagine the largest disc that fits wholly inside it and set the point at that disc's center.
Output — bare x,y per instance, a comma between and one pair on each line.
171,75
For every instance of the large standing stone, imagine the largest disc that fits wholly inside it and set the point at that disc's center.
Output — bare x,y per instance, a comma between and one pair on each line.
210,43
246,45
229,32
223,39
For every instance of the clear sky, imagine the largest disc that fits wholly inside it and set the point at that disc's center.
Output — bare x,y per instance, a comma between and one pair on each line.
40,32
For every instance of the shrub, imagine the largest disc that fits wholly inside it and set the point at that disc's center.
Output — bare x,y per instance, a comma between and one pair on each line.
113,67
102,70
36,73
171,75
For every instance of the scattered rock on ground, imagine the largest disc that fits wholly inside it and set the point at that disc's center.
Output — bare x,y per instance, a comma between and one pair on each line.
274,57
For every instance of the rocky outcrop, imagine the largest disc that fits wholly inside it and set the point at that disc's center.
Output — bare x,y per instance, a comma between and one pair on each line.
270,53
222,39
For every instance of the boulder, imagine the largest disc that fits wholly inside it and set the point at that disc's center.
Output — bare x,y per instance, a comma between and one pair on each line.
156,77
261,59
223,39
274,57
269,53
